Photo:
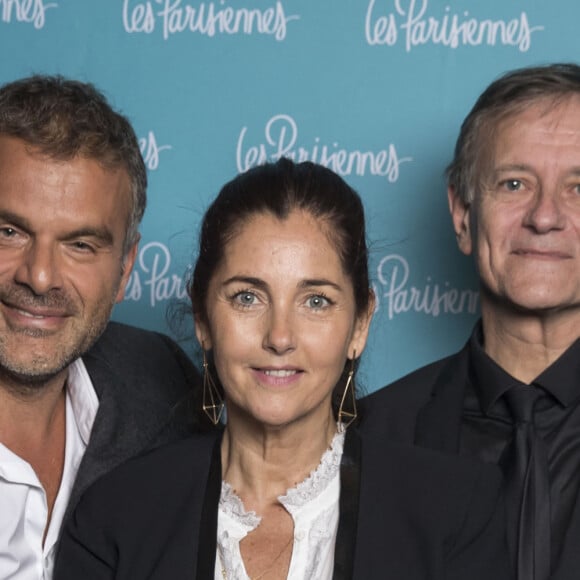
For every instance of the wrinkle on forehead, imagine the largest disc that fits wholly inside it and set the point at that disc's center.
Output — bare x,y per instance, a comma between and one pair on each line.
551,125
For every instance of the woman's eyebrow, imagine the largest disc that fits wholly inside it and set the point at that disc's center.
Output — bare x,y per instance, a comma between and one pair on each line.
319,282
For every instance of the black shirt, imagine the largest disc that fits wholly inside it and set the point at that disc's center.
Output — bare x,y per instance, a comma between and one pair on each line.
487,425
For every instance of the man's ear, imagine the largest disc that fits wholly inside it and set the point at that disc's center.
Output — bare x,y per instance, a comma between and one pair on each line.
128,263
461,216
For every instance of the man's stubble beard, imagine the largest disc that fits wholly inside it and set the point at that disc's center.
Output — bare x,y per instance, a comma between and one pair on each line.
32,375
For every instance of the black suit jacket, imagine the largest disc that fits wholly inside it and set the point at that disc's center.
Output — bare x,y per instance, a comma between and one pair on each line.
425,409
140,378
405,514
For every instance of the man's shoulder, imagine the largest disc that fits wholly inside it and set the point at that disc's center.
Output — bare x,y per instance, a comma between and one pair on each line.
122,344
145,384
392,411
427,469
143,356
413,387
125,338
464,487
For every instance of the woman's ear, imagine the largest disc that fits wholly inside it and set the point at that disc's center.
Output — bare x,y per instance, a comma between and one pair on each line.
361,329
202,332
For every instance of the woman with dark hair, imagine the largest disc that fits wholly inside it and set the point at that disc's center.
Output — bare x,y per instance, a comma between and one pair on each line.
282,485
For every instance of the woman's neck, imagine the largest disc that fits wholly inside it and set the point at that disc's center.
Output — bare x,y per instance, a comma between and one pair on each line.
261,463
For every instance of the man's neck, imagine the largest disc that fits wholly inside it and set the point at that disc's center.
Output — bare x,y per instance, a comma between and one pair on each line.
33,426
525,344
29,408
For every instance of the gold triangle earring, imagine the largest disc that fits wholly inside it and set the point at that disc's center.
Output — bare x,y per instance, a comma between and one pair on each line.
347,410
213,404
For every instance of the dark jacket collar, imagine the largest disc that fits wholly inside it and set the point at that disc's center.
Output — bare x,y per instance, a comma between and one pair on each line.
560,379
124,426
439,421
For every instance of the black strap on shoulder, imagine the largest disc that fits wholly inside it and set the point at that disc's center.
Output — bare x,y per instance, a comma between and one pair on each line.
206,549
348,507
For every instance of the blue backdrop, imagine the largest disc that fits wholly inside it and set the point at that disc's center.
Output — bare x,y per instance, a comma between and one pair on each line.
375,89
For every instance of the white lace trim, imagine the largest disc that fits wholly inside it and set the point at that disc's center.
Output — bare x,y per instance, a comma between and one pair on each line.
313,505
318,480
295,497
229,559
233,506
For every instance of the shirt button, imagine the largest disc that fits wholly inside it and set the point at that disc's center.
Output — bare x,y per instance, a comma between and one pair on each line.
300,535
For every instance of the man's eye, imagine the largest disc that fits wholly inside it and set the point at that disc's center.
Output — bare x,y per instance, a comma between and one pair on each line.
82,246
7,232
513,184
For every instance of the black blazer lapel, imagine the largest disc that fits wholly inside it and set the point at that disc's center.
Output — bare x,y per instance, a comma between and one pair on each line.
206,550
438,422
118,431
350,472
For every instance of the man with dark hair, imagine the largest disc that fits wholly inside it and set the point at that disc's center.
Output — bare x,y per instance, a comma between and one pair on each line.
78,395
512,395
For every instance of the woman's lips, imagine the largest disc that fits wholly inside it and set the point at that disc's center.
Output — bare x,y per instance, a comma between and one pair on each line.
277,376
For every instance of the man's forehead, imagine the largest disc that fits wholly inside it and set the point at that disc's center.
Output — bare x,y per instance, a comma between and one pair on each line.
76,180
546,108
60,156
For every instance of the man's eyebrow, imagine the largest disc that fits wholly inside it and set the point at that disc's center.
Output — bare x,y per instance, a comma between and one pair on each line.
103,235
525,167
512,167
17,220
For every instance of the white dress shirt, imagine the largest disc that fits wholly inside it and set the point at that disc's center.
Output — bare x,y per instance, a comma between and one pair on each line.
23,506
313,505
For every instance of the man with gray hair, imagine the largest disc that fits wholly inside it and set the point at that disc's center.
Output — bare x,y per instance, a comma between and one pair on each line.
78,395
512,395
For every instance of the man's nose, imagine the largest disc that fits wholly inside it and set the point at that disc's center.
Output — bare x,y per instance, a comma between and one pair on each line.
39,268
545,213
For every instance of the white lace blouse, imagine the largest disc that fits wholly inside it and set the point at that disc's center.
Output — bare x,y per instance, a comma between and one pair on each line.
313,505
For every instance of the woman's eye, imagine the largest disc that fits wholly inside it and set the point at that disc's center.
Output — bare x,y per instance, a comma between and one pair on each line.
245,298
317,301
